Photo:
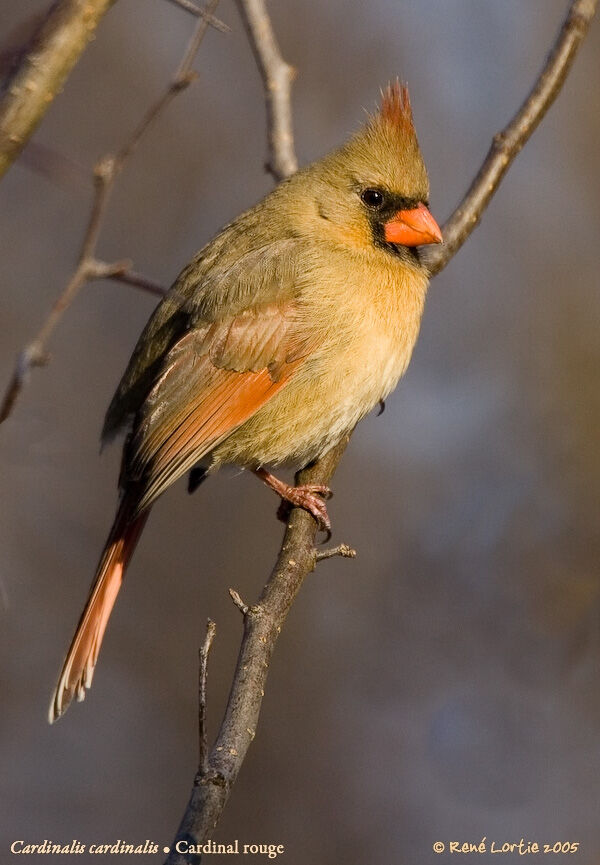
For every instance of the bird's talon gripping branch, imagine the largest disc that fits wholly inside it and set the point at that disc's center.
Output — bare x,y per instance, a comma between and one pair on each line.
321,489
307,496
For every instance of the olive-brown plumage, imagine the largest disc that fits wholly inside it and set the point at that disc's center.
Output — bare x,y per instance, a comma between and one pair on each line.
277,338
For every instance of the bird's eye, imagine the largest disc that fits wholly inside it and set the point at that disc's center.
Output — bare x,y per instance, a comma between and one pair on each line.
373,198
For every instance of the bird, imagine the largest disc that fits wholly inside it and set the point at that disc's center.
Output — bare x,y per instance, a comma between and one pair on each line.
287,328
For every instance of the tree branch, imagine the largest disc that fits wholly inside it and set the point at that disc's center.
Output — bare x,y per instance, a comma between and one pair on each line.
297,558
211,630
277,76
508,143
342,550
55,49
262,625
202,13
88,267
137,280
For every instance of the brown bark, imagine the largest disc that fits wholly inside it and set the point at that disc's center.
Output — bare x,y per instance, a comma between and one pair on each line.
42,71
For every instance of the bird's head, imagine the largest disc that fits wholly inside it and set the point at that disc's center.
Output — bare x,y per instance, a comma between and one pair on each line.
374,189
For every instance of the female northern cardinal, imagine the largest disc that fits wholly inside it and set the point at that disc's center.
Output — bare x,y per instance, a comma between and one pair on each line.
279,336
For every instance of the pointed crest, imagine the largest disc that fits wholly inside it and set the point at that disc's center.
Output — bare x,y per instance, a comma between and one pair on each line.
385,151
395,106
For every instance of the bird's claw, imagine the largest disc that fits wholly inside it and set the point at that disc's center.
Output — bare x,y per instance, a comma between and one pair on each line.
321,489
310,498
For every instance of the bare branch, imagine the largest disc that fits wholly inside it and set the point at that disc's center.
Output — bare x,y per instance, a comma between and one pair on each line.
297,557
54,50
138,280
342,550
262,626
508,143
237,600
88,267
202,13
211,630
277,78
35,354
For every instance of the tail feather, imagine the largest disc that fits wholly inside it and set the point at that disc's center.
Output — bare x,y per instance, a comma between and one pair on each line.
78,668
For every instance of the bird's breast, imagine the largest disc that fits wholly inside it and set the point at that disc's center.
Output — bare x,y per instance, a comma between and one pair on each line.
363,328
370,325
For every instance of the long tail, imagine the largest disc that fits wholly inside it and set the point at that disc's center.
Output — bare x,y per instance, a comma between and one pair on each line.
78,668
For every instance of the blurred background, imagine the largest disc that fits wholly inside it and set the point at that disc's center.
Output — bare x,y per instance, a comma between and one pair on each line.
442,686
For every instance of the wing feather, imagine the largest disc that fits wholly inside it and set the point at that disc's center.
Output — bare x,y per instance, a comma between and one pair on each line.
215,378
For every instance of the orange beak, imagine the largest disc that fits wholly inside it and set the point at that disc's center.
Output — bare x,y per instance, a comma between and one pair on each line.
413,228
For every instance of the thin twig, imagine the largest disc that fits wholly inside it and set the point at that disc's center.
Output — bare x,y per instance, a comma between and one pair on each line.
35,354
508,143
199,12
342,550
138,280
203,653
237,600
106,172
55,48
297,557
277,78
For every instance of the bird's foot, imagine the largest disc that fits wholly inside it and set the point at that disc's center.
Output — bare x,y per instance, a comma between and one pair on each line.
307,496
310,497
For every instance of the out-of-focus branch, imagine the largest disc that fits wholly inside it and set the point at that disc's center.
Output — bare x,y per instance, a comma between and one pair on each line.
35,353
297,558
277,78
199,12
89,267
42,71
137,280
507,144
54,166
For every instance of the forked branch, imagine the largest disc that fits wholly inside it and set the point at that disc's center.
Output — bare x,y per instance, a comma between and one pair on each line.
199,12
262,625
89,267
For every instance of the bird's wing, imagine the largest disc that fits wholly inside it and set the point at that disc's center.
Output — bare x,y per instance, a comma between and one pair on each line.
213,379
229,275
